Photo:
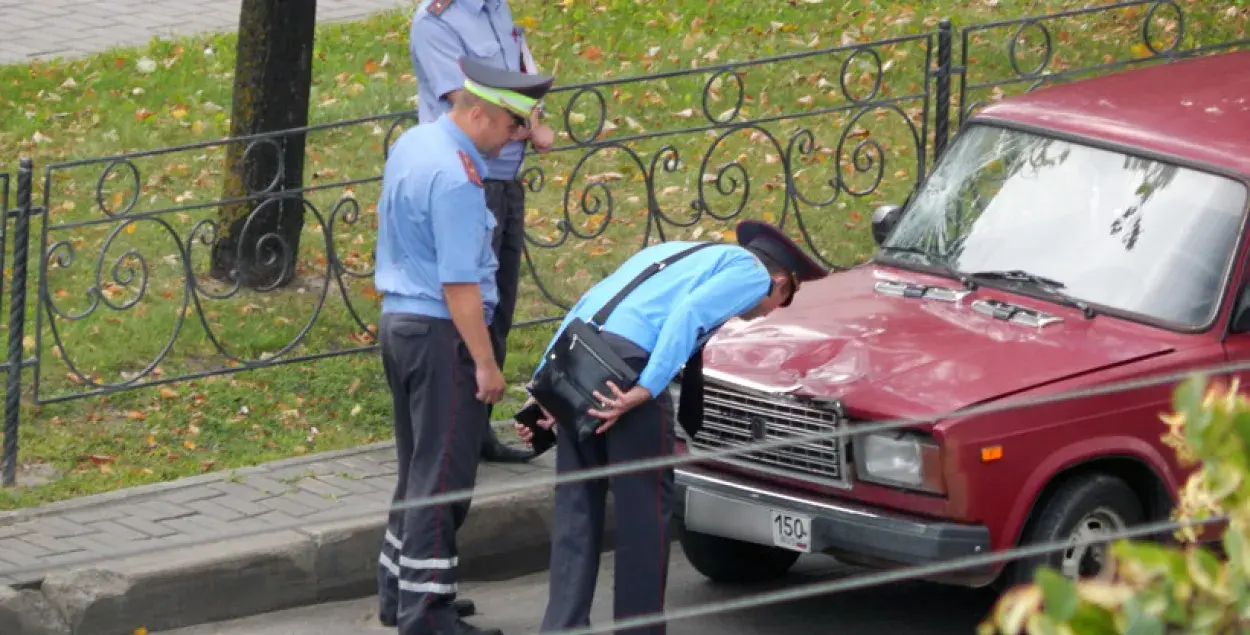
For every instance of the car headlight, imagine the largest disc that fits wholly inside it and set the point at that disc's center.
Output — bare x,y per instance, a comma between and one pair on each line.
900,459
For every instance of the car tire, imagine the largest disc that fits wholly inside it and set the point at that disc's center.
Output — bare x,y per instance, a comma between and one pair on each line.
729,561
1090,504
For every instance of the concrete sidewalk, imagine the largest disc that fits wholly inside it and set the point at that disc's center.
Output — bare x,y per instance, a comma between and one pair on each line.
54,582
33,29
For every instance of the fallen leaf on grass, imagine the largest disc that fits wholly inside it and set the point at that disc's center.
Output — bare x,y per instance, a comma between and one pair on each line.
592,53
135,415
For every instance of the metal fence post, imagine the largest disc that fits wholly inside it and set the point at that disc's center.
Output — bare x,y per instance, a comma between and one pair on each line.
942,75
17,319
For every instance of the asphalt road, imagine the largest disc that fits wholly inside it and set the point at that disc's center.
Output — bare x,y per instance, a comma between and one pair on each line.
516,606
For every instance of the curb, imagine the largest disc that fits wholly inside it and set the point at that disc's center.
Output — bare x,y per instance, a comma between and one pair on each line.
504,536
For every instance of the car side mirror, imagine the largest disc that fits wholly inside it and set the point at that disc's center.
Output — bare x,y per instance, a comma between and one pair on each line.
883,220
1241,310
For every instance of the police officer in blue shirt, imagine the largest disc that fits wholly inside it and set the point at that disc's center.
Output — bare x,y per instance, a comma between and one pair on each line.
659,327
442,32
436,273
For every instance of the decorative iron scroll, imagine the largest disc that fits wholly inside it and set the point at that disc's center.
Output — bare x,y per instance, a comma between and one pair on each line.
1011,38
860,122
138,246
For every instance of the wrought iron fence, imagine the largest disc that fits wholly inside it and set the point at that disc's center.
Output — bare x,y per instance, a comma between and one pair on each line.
1035,47
143,252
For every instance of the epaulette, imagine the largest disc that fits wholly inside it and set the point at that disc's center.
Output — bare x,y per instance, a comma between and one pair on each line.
469,168
437,7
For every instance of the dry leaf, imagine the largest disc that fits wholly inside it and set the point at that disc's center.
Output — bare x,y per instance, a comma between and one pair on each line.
136,415
592,53
169,393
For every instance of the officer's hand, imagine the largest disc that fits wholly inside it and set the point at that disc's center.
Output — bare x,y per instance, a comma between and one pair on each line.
542,137
490,383
523,432
614,407
547,420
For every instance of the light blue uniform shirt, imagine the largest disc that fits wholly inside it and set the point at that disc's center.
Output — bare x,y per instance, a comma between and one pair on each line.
433,224
480,29
677,309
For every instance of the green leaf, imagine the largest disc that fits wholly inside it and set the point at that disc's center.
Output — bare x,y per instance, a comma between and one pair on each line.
1241,427
1187,398
1204,569
1139,622
1089,619
1154,559
1237,548
1058,594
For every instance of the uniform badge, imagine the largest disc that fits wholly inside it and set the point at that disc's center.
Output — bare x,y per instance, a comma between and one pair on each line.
469,168
438,7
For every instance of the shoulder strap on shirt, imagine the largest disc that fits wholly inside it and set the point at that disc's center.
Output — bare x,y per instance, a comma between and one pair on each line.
601,317
437,7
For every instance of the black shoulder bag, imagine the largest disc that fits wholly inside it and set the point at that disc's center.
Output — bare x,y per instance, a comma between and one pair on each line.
581,362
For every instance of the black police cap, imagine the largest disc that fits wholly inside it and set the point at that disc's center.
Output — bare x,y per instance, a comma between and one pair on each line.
532,86
771,242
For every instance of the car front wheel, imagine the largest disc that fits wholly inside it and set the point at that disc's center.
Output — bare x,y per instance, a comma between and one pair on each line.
733,561
1084,508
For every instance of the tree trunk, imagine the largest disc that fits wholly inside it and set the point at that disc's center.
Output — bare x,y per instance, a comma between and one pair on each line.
258,240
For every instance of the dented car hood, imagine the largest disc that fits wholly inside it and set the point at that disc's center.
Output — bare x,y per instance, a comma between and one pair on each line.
890,356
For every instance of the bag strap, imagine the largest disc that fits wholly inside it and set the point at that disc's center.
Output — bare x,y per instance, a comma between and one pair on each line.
602,316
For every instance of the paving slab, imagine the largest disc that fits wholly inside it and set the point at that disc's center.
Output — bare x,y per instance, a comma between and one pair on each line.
232,544
43,29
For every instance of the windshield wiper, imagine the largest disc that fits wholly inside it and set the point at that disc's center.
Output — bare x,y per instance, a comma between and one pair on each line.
1049,286
936,261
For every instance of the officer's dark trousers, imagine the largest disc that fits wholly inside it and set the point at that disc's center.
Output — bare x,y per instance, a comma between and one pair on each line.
506,199
439,425
643,506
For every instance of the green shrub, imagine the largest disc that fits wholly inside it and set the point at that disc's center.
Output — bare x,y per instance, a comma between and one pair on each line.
1161,589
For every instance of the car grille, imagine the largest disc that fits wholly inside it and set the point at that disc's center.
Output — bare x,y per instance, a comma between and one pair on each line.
730,419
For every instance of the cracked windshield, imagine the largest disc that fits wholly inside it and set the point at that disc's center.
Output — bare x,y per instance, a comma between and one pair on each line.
1127,233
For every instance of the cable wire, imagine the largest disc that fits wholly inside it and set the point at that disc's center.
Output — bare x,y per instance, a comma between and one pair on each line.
522,485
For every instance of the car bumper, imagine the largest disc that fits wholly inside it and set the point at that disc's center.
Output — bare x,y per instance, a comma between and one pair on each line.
732,507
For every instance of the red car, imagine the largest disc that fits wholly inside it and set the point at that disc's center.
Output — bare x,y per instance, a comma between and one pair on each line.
1069,239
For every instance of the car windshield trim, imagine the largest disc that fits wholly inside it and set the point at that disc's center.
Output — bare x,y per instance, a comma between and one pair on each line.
1226,210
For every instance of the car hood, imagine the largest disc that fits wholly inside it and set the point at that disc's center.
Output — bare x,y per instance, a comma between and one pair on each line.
890,356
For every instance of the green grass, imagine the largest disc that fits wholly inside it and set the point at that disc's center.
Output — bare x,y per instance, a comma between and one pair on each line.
113,103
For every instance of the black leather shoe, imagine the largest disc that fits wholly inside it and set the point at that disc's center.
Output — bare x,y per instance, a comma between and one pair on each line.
463,608
494,451
465,628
